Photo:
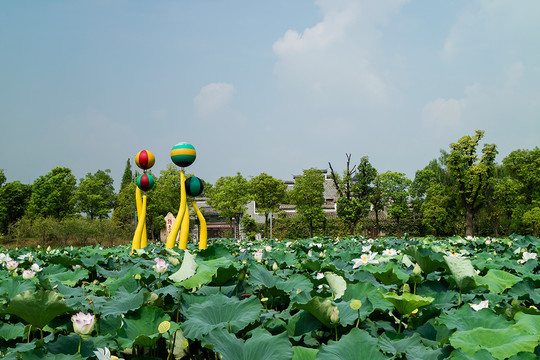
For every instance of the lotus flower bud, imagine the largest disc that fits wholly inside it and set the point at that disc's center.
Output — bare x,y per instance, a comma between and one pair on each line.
83,324
28,274
417,270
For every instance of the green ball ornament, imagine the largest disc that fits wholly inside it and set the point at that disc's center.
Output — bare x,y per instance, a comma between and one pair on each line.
183,154
194,186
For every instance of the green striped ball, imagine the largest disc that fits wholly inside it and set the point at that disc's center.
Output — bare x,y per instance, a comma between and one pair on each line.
183,154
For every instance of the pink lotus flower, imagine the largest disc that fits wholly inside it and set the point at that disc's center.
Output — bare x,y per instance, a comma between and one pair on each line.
161,266
28,274
83,324
11,265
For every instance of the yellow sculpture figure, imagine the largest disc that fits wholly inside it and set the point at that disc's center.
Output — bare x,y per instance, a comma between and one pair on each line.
202,225
145,160
140,226
139,201
184,230
171,239
183,154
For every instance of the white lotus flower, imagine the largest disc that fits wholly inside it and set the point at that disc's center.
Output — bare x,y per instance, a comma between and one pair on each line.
4,258
105,354
366,248
28,274
482,305
527,256
365,259
320,276
258,255
28,256
35,267
390,252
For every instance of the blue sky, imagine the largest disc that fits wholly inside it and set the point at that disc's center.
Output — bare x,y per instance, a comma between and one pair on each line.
267,86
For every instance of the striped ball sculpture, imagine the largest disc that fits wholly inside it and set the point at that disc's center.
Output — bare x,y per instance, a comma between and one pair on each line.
194,186
183,154
145,159
145,182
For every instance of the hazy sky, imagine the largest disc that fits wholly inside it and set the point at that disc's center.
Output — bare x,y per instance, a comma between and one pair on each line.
263,86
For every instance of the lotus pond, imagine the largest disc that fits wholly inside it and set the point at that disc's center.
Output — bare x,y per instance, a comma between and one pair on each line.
321,298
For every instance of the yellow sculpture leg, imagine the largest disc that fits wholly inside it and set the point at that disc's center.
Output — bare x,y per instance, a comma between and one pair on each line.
140,226
184,231
171,239
138,200
202,224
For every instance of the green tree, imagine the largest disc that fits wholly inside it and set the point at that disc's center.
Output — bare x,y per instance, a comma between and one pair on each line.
396,187
268,193
471,173
2,178
125,207
532,219
229,196
354,189
53,194
308,196
435,210
127,177
95,195
378,199
14,198
524,166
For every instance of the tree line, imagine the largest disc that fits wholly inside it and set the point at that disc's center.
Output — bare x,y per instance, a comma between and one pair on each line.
463,191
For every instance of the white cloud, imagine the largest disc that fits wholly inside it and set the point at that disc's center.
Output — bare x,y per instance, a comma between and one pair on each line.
336,62
213,98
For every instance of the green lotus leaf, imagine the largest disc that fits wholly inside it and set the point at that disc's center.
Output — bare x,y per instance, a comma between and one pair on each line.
400,346
259,275
220,311
465,318
406,303
38,308
121,303
357,342
323,309
526,323
501,343
69,278
463,272
187,269
337,284
389,274
11,331
206,270
303,353
301,323
261,346
497,280
141,327
479,355
428,259
11,287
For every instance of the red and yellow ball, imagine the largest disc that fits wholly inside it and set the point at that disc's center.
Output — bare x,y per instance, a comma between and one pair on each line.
145,159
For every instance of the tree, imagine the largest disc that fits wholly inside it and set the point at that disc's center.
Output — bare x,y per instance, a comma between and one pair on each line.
125,207
396,185
524,166
95,195
354,189
308,196
229,196
378,199
53,194
127,177
434,208
2,178
532,219
471,173
268,193
14,198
